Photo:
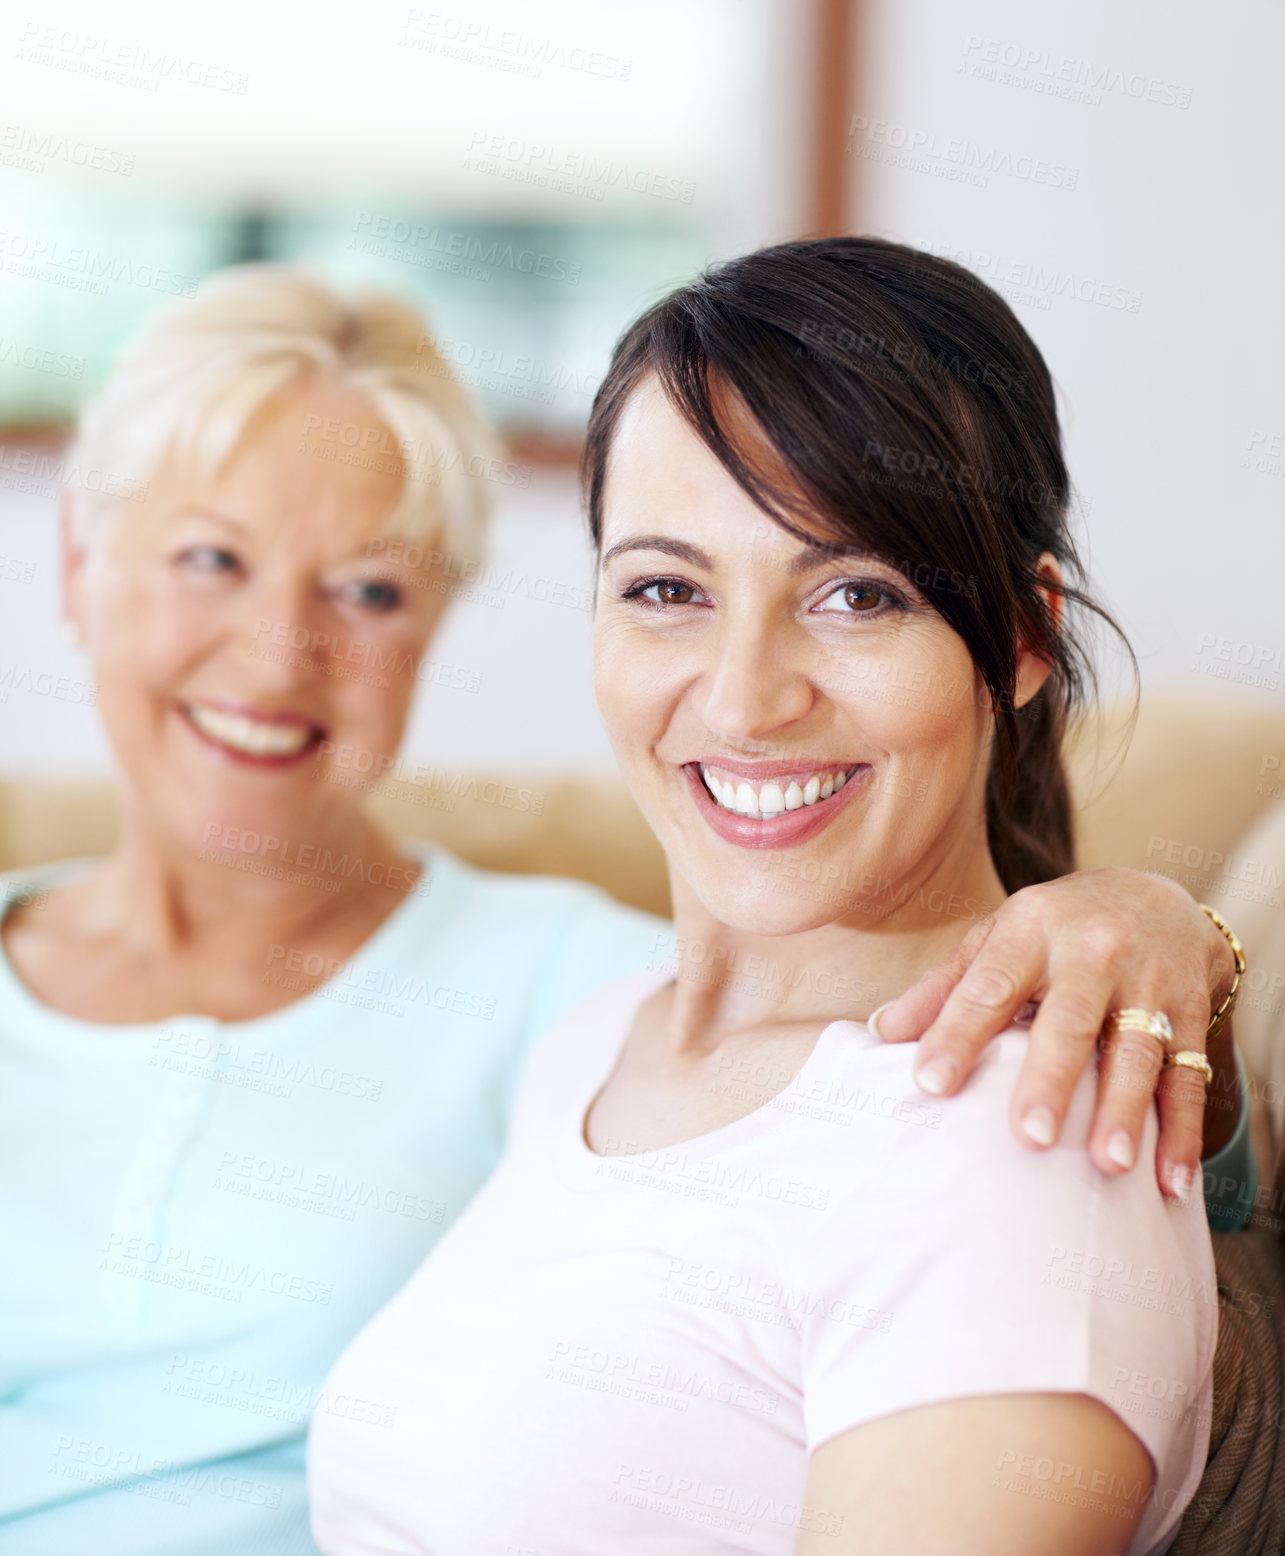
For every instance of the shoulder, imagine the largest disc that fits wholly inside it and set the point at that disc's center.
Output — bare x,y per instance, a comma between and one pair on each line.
1005,1241
958,1157
30,887
551,902
571,936
540,943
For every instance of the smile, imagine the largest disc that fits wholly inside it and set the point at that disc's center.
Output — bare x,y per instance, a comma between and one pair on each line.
771,804
274,739
771,796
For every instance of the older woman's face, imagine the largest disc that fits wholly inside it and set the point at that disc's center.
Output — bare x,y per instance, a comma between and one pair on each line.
807,737
252,646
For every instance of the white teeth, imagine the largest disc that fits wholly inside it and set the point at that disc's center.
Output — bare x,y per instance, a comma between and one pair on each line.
746,801
255,737
771,799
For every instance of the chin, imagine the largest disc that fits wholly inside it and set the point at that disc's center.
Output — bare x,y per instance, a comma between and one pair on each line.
220,820
775,904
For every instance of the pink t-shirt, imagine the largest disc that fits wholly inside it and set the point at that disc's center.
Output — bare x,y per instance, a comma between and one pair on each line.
639,1353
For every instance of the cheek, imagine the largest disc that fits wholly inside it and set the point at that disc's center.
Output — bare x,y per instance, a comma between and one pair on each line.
932,729
377,710
926,712
144,627
379,674
632,685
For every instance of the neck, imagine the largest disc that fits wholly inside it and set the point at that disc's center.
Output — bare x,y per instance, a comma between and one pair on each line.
732,980
162,894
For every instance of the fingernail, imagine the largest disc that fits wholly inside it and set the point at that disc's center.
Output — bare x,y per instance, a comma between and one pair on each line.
1040,1125
872,1019
1182,1180
935,1076
1120,1148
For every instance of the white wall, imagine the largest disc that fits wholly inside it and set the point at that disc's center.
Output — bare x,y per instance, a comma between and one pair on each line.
1171,411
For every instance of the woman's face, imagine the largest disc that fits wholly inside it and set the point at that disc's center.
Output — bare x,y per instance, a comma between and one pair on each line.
805,734
248,635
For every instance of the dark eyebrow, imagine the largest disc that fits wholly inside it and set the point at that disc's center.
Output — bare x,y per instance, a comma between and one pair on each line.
811,556
820,553
676,548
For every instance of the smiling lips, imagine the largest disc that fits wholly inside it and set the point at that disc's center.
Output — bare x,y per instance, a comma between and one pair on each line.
768,804
264,739
771,796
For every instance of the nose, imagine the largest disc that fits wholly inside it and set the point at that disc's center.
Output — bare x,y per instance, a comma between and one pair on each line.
754,686
278,629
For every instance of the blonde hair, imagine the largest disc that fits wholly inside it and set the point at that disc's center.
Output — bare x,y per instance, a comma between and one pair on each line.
190,384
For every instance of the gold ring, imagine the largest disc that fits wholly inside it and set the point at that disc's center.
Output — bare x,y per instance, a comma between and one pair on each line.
1190,1059
1153,1022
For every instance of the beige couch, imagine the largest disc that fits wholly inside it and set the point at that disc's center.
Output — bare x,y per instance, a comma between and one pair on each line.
1197,793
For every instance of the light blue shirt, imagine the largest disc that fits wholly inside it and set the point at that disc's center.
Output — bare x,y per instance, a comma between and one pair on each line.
197,1215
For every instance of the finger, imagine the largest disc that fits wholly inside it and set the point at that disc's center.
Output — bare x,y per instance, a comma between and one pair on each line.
911,1014
1128,1072
1063,1041
1008,972
1180,1099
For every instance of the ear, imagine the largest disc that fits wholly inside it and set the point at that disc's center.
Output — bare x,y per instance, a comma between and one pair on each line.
71,567
1032,667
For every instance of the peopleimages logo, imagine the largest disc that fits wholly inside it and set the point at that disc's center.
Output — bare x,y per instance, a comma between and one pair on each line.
951,156
1063,75
506,48
418,242
21,145
125,62
40,359
574,172
49,259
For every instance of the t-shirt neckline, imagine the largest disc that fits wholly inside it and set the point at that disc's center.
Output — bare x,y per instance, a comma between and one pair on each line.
748,1124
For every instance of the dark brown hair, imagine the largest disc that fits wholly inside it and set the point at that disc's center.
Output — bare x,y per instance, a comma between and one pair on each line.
916,420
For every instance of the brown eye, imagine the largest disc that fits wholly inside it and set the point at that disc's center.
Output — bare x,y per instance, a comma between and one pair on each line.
665,591
861,597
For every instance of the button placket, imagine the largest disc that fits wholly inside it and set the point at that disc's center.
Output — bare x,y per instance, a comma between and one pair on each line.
139,1218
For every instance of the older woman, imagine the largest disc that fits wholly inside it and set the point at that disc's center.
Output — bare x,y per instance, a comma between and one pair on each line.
735,1286
255,1060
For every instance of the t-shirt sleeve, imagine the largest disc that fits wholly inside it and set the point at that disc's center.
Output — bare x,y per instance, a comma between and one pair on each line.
994,1269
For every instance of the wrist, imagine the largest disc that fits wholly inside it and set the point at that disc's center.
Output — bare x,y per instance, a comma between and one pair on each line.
1223,996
